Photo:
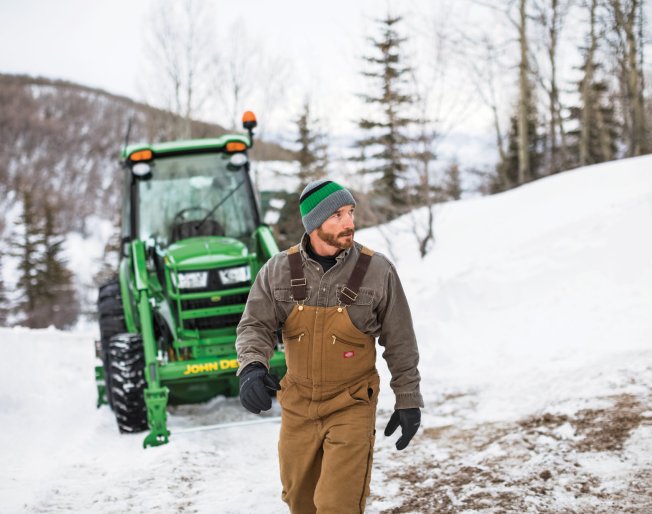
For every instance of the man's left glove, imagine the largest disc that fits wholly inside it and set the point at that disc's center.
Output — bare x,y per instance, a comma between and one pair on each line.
409,419
256,385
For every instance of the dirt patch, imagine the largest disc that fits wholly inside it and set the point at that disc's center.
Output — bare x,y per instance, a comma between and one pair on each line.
534,465
608,429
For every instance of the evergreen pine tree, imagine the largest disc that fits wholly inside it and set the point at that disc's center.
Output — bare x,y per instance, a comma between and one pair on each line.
384,147
46,293
27,246
595,138
313,149
507,171
313,164
4,305
453,183
60,306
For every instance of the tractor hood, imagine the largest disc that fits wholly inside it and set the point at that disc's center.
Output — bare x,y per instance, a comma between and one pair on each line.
206,252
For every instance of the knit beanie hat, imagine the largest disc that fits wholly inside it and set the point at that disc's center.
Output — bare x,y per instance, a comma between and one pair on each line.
319,200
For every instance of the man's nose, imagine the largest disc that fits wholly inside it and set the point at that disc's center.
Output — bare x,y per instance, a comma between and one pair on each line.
348,222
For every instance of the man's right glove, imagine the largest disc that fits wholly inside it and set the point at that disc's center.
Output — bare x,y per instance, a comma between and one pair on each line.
256,385
409,419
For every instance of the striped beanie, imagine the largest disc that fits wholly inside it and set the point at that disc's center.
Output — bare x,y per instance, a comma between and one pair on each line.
319,200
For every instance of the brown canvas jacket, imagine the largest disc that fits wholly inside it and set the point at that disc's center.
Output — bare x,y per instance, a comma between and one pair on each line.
380,310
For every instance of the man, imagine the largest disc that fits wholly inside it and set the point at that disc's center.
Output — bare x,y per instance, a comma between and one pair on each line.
332,298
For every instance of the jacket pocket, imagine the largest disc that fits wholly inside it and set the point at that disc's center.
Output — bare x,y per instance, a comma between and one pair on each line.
365,296
284,294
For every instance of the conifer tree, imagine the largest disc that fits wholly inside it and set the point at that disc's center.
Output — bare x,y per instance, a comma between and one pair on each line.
27,246
46,293
312,154
4,307
595,138
509,170
60,306
453,183
384,146
313,164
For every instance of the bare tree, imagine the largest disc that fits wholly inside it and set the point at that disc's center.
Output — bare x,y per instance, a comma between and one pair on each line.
236,75
524,94
550,16
486,70
626,38
522,135
182,57
596,134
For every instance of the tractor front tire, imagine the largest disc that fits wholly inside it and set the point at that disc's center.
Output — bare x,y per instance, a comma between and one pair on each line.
127,365
112,321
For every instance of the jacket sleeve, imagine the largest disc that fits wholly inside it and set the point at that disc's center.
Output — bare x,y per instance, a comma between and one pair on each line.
398,339
256,333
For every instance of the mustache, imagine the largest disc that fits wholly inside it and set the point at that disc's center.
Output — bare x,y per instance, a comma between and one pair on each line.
349,232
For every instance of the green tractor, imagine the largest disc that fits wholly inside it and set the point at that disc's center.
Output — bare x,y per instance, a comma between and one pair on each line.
192,244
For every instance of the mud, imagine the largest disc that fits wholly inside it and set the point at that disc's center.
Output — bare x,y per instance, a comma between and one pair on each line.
549,463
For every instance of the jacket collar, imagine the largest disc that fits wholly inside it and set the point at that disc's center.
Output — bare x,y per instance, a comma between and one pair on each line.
340,256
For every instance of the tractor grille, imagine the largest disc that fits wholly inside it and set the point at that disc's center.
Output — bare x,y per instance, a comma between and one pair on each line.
213,322
205,303
215,284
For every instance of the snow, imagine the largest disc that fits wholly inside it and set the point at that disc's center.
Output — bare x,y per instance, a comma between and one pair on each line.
532,315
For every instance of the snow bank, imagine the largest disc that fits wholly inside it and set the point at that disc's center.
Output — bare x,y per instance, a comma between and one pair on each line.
534,301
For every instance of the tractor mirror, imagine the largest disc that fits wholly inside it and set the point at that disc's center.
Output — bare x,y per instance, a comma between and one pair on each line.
142,170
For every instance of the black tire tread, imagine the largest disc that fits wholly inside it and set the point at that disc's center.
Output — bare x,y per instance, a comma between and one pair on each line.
112,322
127,363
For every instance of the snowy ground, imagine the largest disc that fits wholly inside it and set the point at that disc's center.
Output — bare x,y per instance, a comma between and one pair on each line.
533,317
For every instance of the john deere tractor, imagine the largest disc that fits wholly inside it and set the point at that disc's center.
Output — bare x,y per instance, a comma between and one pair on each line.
193,242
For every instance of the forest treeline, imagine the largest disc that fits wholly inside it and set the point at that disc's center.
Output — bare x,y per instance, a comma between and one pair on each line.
562,83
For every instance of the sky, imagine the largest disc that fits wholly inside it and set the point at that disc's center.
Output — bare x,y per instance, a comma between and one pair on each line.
103,44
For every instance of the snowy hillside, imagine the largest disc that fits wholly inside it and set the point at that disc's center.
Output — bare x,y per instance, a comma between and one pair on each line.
533,319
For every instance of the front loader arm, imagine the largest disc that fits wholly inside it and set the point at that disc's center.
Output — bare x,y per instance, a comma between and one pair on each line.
156,397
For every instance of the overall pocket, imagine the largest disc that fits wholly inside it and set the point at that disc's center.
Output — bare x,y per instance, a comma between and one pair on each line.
296,351
347,357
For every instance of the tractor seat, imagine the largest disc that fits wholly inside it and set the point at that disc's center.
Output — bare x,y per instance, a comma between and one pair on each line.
187,229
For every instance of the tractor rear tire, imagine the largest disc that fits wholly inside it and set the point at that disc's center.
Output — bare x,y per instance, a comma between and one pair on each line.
127,364
112,322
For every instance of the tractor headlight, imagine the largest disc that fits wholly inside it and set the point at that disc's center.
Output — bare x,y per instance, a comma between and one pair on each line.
235,275
191,280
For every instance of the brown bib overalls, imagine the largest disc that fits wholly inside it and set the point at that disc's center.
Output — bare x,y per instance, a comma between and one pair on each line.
328,399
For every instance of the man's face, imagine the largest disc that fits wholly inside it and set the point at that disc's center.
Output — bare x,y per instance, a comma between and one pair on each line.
339,228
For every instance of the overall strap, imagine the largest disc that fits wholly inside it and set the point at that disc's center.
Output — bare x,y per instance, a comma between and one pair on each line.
297,278
349,293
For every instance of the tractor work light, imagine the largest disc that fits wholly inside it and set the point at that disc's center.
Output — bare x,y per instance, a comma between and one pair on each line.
141,155
235,275
235,146
237,160
191,280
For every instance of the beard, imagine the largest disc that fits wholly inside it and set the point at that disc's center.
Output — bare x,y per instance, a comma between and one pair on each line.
333,239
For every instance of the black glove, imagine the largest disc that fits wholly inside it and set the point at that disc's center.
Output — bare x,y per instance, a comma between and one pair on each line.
409,419
255,386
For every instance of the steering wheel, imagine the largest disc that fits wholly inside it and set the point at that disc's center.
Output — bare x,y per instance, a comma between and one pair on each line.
180,216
